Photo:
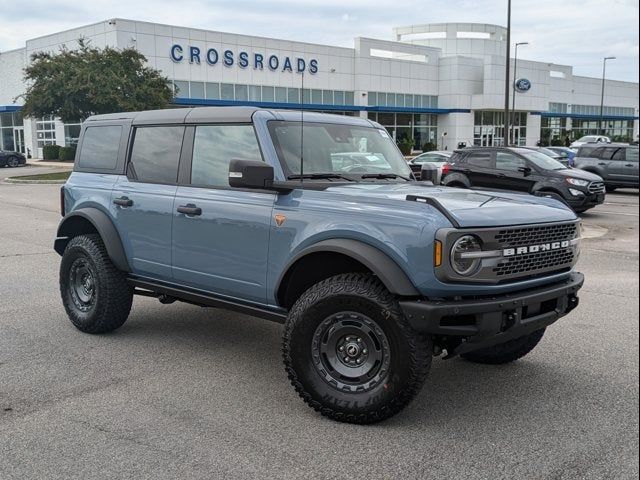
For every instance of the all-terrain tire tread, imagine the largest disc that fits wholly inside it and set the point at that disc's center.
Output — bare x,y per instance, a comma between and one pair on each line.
115,293
420,349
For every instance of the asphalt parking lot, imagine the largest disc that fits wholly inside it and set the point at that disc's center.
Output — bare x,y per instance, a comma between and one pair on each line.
185,392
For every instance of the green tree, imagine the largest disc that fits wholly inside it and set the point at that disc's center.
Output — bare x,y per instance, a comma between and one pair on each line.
75,84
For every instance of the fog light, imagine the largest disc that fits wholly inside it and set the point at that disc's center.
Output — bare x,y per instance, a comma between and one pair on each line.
575,193
464,255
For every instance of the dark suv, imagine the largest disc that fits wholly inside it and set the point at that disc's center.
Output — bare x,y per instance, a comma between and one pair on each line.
523,170
616,164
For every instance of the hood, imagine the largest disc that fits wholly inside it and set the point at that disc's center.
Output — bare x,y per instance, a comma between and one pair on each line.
470,208
577,173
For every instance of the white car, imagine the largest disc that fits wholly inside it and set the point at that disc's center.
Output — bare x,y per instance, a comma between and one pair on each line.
590,139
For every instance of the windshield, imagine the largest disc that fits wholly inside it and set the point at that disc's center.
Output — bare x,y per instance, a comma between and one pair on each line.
543,161
344,150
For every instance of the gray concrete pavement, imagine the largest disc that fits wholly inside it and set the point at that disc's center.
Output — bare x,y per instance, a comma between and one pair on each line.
185,392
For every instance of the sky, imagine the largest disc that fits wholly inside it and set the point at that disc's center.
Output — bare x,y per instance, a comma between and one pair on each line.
569,32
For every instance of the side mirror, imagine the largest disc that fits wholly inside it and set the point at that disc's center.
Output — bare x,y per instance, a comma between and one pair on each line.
429,173
525,170
250,174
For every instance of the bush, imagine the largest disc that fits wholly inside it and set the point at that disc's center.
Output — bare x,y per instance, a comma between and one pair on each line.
557,142
67,154
406,145
429,147
51,152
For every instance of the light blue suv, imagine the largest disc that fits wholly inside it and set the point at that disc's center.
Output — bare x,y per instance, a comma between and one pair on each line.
314,221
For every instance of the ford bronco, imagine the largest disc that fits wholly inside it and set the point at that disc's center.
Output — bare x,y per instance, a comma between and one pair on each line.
314,221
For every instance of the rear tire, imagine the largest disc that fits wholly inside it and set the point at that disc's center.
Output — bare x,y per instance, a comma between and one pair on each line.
94,292
350,353
506,352
13,162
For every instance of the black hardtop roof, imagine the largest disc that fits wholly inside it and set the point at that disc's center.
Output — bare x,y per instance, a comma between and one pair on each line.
491,149
240,114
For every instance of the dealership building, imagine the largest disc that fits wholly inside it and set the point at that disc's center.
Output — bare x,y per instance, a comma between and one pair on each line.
441,84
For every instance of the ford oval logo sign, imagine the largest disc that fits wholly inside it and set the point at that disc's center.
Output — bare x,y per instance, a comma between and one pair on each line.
522,85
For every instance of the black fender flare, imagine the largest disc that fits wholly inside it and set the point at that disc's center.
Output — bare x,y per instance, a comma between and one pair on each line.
386,269
69,227
456,177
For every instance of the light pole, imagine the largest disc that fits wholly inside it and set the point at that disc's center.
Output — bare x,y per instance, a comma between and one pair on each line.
505,134
513,100
604,68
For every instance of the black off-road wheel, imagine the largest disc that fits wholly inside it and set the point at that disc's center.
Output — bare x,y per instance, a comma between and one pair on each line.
94,292
350,353
506,352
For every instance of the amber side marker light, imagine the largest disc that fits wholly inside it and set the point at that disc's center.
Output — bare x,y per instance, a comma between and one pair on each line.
437,253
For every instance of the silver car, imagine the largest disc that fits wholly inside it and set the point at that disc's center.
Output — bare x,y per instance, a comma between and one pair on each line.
437,158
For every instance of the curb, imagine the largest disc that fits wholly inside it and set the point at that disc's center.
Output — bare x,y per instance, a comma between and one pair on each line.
61,165
42,182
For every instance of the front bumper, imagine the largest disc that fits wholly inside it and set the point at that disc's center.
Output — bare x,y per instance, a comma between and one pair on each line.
588,200
488,321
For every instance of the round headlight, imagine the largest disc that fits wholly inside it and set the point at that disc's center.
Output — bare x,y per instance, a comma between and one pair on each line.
462,263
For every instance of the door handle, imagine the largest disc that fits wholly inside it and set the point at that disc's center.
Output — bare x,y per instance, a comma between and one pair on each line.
189,209
123,202
602,164
628,165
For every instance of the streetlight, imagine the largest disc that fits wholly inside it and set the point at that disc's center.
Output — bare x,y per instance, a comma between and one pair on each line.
604,68
513,100
505,134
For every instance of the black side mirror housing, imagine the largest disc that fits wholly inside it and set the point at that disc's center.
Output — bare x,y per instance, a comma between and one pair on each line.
250,174
525,170
254,174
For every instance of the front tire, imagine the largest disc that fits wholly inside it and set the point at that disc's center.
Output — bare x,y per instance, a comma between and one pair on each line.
506,352
350,353
94,292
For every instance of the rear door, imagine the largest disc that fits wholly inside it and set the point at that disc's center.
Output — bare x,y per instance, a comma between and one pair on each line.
478,168
629,165
509,169
220,234
142,202
614,160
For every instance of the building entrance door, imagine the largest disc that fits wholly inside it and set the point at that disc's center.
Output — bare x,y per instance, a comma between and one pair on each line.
18,140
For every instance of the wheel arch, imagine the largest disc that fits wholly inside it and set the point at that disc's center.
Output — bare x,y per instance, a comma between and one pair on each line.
335,256
91,220
455,179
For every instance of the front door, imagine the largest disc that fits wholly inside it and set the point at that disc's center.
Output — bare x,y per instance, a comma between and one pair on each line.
220,234
142,202
18,140
511,175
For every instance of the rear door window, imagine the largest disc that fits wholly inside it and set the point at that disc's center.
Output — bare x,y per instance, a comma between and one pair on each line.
480,160
156,153
632,155
100,147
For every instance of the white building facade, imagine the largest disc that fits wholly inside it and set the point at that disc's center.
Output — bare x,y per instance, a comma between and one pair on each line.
440,84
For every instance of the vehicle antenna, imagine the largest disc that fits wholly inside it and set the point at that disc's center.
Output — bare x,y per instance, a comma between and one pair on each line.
302,130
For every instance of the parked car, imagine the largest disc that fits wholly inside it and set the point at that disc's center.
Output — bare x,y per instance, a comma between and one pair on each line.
523,170
566,153
617,164
371,272
11,159
590,139
437,158
550,153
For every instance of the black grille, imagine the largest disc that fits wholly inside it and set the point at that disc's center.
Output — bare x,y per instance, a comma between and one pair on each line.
532,262
518,237
596,187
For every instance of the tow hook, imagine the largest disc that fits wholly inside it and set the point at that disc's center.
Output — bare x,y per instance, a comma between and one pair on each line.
166,299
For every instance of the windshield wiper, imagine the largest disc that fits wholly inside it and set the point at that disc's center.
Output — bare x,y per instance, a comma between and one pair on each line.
319,176
385,175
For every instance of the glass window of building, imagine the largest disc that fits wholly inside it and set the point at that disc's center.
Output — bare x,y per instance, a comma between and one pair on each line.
242,93
327,97
226,91
267,94
338,97
293,95
196,90
213,91
281,94
316,96
181,89
348,98
255,94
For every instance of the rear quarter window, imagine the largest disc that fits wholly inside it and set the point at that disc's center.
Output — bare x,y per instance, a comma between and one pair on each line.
100,146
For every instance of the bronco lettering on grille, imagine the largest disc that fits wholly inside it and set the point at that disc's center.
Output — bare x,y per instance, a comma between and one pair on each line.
544,247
